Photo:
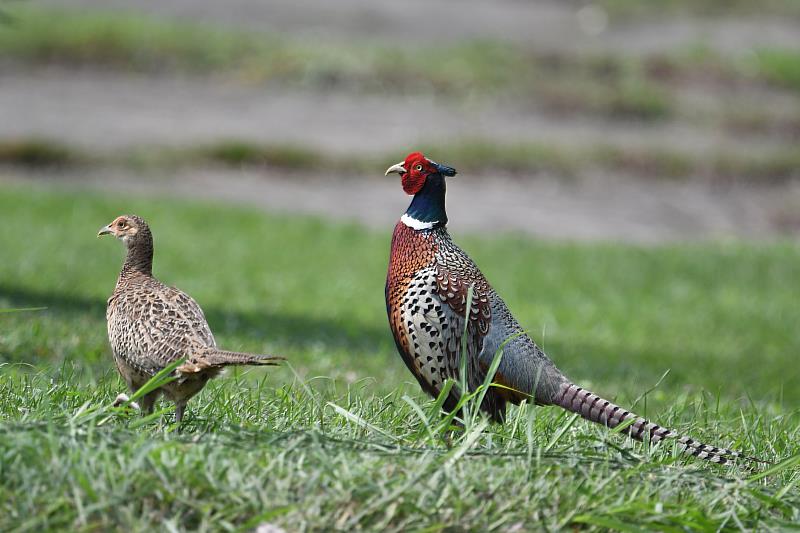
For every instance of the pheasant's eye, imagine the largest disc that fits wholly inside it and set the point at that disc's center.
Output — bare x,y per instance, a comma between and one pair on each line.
120,224
418,168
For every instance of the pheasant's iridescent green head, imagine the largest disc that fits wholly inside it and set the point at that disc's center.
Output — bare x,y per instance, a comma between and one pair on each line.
415,171
127,228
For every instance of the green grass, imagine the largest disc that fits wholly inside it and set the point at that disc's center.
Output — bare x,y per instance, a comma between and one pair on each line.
341,438
777,67
628,9
781,67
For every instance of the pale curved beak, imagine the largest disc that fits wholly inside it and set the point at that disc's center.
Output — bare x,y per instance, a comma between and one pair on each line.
105,230
396,169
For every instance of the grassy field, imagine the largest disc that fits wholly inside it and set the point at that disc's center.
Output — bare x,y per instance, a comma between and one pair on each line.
339,438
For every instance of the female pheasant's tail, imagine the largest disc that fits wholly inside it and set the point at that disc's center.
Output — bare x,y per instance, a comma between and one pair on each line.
214,358
594,408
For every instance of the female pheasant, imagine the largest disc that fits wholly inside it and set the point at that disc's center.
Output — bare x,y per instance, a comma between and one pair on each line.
151,325
426,298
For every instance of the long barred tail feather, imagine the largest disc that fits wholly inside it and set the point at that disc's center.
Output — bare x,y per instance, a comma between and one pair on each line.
594,408
225,357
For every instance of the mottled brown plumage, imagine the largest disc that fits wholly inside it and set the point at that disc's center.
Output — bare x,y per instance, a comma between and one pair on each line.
151,325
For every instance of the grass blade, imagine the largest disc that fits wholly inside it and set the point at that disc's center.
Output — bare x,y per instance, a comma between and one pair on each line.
159,380
361,422
778,468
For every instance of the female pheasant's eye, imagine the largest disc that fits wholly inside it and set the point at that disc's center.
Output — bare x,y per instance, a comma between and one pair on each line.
418,168
120,224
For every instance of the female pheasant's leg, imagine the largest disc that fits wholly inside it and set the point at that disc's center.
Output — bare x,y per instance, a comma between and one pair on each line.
180,407
148,401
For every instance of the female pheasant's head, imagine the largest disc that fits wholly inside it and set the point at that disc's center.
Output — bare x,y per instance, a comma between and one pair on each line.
130,229
415,171
133,231
425,180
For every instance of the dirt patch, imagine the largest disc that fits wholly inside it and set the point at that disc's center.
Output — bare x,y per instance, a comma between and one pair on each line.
106,110
602,208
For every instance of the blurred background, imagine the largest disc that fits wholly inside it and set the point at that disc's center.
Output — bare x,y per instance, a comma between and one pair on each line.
628,181
613,119
592,140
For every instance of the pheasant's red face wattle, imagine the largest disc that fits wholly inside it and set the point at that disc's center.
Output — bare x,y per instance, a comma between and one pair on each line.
417,169
413,183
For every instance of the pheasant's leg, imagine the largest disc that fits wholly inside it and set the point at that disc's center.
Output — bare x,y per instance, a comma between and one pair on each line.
180,407
148,401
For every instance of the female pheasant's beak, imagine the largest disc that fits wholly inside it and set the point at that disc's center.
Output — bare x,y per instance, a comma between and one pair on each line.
397,169
105,230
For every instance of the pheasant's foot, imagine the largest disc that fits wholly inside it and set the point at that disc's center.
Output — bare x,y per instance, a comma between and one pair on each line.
122,398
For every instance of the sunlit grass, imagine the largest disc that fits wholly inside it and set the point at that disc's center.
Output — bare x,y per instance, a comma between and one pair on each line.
338,437
309,455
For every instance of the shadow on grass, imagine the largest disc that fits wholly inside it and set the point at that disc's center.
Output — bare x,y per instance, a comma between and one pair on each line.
608,368
295,330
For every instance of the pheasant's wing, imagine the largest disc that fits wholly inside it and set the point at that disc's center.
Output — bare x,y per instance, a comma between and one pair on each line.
152,325
454,277
455,274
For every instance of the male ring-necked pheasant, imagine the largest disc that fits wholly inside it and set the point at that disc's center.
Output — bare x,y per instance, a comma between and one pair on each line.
426,295
151,325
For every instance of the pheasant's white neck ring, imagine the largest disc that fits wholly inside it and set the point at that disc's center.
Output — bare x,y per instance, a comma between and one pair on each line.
413,223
